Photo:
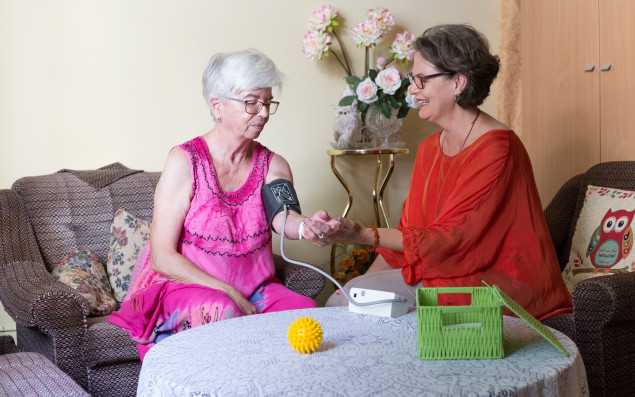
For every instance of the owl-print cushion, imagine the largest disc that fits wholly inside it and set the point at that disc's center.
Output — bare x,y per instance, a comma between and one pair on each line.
602,242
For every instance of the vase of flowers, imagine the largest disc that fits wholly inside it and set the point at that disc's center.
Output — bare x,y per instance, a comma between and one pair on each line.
383,86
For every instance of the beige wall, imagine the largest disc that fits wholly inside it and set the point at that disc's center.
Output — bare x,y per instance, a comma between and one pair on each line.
86,83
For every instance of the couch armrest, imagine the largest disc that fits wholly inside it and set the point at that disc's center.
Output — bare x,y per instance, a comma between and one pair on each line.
602,301
34,298
300,279
604,315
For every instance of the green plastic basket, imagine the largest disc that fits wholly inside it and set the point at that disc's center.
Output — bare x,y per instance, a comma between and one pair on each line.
459,332
468,332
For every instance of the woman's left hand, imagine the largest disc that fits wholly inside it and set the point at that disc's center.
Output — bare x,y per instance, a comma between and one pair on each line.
319,227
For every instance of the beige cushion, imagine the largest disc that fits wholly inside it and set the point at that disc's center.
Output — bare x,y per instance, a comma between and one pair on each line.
82,271
128,235
603,238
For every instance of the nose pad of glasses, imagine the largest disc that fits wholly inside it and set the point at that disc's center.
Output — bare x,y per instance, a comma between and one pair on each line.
264,111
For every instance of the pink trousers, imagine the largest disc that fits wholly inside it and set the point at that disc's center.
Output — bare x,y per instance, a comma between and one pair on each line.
166,308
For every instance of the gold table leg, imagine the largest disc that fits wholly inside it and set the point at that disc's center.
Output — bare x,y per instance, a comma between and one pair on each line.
349,203
378,190
375,192
382,187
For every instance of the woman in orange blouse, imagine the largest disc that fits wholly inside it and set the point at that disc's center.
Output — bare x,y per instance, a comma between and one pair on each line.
473,213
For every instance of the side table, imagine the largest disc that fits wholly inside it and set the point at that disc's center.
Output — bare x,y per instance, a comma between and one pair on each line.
378,188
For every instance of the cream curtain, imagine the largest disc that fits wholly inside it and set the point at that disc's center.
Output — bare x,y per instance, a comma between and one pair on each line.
509,87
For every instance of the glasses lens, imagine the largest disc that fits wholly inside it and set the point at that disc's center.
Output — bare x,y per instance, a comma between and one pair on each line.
416,80
252,107
273,106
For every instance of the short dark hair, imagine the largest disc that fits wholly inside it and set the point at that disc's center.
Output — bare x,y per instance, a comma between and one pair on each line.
461,49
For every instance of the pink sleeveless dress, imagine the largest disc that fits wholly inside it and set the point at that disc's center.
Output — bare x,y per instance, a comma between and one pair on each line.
228,236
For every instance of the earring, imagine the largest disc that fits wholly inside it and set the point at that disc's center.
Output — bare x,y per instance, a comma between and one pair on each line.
456,98
219,119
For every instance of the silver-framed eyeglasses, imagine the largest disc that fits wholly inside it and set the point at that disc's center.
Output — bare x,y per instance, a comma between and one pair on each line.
254,106
420,80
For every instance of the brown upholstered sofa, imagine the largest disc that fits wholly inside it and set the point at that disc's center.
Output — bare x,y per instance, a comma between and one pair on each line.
42,219
603,320
32,374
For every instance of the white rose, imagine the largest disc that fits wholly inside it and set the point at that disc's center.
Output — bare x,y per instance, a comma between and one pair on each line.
348,91
389,80
411,100
367,91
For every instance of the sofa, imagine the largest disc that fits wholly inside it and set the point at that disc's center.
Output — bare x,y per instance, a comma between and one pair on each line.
603,320
42,219
32,374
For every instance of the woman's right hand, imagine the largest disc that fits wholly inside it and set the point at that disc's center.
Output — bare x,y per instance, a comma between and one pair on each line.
243,304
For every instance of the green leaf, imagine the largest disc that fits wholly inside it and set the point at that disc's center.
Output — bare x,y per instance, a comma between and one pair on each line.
347,100
386,110
403,111
363,107
372,73
353,81
393,102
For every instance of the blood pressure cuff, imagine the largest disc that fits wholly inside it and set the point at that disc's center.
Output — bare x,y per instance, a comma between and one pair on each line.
275,195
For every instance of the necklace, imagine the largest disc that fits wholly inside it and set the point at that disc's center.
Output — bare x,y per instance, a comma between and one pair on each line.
478,113
439,186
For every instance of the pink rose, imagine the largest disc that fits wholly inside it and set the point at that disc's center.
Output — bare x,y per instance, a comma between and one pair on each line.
367,91
389,80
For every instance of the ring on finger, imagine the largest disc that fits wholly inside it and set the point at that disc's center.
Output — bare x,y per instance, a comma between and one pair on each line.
321,235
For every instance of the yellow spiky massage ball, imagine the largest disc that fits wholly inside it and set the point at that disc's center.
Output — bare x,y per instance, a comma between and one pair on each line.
305,335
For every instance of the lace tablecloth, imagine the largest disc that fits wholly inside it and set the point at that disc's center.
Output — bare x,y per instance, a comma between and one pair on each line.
361,355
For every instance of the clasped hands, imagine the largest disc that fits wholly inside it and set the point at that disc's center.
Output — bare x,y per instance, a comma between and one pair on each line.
322,230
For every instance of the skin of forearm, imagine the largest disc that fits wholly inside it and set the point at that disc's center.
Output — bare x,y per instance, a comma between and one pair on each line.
293,224
390,238
176,268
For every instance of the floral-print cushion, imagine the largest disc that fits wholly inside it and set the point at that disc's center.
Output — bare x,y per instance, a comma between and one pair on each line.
128,235
82,271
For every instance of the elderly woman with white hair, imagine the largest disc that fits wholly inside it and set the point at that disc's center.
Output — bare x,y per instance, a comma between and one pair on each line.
209,256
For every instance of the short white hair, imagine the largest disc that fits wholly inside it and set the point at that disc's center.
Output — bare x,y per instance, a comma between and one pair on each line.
235,72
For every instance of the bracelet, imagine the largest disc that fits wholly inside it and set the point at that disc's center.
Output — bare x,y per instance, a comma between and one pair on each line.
376,242
301,229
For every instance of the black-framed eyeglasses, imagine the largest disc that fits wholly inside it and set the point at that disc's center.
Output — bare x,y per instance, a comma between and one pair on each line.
419,80
254,107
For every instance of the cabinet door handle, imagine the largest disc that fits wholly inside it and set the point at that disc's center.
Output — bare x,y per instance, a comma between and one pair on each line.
589,68
605,67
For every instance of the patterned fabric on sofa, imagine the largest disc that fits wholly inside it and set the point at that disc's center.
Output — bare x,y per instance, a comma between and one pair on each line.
43,219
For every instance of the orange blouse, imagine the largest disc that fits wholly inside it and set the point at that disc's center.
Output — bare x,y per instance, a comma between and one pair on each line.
477,217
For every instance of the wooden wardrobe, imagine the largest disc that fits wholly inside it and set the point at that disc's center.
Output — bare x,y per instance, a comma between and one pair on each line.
578,86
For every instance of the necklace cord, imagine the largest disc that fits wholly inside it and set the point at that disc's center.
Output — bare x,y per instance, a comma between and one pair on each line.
439,186
478,113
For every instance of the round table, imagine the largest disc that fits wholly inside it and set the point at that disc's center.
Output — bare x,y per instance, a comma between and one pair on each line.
361,355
